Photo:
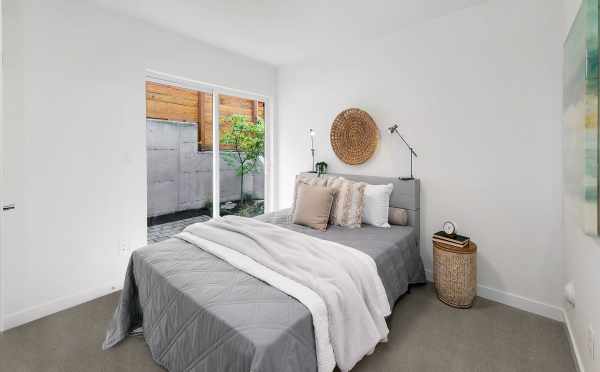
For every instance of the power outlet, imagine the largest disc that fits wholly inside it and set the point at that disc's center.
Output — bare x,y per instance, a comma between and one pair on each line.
591,343
123,247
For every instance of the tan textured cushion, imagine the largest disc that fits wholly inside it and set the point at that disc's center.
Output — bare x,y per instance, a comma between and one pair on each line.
348,203
310,179
398,216
313,204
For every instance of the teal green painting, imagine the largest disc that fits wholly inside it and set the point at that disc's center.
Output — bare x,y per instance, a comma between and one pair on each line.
580,110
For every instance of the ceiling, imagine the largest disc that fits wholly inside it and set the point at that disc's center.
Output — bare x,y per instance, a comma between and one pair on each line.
284,31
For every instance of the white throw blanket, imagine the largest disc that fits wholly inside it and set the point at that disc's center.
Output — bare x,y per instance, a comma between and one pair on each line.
339,285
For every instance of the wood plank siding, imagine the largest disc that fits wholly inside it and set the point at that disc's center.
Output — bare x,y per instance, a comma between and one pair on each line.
171,103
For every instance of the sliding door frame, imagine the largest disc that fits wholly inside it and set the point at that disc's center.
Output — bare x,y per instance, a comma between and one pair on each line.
217,91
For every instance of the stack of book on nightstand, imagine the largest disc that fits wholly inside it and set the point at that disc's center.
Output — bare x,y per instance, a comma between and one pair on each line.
454,240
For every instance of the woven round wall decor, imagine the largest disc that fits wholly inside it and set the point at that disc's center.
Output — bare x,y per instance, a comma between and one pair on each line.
354,136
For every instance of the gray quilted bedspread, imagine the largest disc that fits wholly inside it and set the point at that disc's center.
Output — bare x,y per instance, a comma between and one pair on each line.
201,314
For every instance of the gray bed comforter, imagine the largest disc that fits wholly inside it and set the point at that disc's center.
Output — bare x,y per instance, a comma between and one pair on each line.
199,313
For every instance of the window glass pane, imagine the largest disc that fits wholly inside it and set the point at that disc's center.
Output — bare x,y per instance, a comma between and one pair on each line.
242,149
179,176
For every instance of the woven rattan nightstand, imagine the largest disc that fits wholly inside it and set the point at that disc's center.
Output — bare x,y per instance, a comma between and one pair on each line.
455,274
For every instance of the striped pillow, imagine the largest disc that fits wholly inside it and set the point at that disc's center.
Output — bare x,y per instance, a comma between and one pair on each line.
348,203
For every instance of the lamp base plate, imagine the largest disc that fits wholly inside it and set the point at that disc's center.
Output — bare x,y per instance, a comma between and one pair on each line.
407,178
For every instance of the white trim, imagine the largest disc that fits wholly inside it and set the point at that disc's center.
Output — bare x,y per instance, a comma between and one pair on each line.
573,342
54,306
269,157
516,301
520,302
216,159
157,76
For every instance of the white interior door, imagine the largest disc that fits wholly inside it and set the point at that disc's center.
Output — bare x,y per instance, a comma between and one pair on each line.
1,189
12,165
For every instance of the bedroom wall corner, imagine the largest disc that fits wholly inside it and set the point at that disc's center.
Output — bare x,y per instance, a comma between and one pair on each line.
581,254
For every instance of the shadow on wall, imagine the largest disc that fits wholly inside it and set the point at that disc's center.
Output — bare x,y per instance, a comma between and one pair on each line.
180,176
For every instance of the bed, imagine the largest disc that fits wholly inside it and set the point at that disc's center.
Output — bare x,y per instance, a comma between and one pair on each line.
199,313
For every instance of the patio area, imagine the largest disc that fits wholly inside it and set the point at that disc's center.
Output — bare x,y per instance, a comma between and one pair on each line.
158,233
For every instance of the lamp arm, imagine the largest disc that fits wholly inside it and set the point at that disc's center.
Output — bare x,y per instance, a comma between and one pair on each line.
407,145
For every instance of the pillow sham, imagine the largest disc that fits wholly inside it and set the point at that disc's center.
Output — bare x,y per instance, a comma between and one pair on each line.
313,205
398,216
310,179
348,202
377,205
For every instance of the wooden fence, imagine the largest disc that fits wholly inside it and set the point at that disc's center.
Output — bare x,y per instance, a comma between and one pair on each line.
167,102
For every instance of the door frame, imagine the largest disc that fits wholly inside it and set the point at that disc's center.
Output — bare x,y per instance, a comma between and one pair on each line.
2,243
217,91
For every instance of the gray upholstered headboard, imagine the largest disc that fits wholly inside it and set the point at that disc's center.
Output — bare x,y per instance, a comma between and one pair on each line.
406,194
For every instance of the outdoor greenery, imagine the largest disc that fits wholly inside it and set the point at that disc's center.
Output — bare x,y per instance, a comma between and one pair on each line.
247,148
251,208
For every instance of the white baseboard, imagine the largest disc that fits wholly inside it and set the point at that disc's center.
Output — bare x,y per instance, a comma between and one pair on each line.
51,307
516,301
573,343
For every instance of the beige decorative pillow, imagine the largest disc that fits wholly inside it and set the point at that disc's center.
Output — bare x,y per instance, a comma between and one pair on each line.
398,216
309,179
313,205
348,203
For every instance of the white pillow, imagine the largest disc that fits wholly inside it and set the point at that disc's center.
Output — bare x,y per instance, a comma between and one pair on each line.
377,205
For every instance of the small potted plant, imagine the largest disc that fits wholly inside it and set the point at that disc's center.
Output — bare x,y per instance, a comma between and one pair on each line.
321,168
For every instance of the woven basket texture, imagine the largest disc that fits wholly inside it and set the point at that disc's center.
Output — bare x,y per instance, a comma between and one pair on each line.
455,274
354,136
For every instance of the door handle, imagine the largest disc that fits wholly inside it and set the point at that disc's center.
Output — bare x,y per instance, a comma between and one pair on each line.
8,207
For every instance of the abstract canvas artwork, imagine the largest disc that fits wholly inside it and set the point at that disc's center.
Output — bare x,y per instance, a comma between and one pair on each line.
580,108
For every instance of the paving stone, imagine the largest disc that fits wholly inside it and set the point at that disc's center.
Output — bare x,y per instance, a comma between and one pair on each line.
158,233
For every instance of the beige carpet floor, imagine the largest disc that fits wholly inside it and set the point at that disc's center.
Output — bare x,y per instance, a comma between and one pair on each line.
426,336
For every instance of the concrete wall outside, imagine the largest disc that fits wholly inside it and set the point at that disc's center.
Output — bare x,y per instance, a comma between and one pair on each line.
180,176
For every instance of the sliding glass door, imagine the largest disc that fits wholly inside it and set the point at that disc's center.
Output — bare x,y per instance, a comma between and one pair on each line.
179,170
242,155
206,152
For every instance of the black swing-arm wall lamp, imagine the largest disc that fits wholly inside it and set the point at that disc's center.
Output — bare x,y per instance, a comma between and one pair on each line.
394,129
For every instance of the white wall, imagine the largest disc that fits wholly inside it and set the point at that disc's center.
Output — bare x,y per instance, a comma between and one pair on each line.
570,7
478,93
75,74
581,258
